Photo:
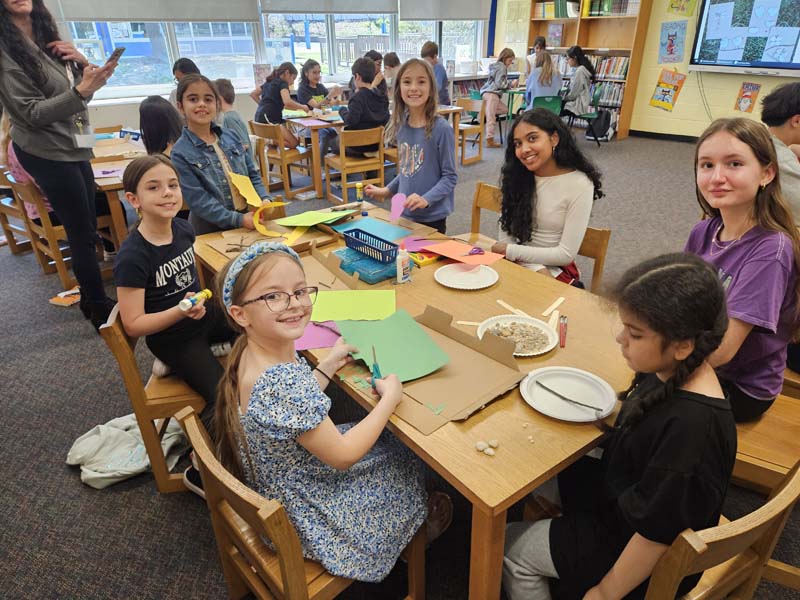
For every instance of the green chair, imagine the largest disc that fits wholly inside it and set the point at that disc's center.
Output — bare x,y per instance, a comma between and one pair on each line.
590,117
476,95
551,103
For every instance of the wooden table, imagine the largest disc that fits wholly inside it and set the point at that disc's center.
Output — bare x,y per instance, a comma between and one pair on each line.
493,484
454,112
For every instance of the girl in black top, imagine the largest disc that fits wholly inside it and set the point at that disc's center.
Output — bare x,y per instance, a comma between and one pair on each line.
155,269
667,464
313,93
274,97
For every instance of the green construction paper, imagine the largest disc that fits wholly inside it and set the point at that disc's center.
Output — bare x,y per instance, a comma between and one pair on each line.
361,383
355,305
401,345
312,217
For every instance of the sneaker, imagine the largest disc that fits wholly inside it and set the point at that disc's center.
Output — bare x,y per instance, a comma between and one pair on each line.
490,143
160,369
440,515
109,255
193,481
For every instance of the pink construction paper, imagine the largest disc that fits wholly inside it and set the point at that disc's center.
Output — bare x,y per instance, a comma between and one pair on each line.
309,122
414,244
398,204
460,252
316,336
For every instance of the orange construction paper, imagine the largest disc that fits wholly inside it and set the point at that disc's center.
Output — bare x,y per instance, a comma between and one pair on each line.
460,252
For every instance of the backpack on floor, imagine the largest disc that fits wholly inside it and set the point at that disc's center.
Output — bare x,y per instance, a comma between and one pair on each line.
602,126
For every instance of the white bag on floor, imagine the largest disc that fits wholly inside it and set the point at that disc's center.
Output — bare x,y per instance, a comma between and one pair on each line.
114,452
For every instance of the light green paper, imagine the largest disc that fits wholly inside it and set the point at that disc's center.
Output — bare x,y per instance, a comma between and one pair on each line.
361,383
353,305
401,345
311,218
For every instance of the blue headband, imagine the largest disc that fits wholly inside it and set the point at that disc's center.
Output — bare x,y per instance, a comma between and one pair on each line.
241,261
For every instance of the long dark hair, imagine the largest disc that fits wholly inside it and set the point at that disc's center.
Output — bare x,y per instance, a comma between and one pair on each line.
12,41
679,296
577,53
160,124
307,66
518,185
283,68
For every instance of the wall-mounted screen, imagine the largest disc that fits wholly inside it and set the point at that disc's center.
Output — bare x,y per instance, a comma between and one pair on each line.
757,37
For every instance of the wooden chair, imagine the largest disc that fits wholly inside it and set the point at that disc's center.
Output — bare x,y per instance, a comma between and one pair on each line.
595,246
12,218
349,165
153,404
271,151
733,555
791,383
471,129
242,520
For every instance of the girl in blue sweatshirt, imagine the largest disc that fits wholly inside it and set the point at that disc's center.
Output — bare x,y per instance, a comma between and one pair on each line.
426,166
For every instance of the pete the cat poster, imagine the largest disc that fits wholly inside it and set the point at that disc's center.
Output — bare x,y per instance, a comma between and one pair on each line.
673,41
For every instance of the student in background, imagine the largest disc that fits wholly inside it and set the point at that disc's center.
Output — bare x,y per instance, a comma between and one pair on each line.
539,45
378,83
314,94
577,100
780,112
181,68
543,80
430,54
161,125
492,92
367,108
154,271
548,188
752,241
353,492
426,168
230,118
205,155
667,462
274,97
391,63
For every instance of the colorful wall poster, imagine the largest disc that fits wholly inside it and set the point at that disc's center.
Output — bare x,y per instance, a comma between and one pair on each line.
667,89
684,8
261,72
748,94
673,41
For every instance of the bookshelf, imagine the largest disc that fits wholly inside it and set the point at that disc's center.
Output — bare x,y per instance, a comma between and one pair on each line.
611,33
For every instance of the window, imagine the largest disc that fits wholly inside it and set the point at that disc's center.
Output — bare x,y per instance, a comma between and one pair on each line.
356,34
295,38
412,35
218,51
145,68
461,41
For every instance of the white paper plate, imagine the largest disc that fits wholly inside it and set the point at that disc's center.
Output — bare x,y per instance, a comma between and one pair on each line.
573,383
466,277
551,334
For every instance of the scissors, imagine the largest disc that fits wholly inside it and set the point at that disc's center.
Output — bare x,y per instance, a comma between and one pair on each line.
474,252
376,370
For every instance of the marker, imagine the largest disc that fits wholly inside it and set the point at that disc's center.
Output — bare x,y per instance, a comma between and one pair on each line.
187,303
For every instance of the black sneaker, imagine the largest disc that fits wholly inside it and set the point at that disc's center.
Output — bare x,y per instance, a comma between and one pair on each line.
193,481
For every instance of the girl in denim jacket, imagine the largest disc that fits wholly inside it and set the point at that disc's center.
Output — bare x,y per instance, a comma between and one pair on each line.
205,155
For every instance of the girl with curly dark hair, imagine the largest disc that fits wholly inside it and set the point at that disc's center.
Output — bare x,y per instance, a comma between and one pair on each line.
548,187
45,84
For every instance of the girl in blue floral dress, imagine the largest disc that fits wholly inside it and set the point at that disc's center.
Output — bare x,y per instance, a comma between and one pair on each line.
354,493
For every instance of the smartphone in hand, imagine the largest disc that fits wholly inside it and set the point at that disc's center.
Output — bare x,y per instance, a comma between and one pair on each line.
116,54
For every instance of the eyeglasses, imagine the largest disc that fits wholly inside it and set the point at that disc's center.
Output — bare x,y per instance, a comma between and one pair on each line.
280,301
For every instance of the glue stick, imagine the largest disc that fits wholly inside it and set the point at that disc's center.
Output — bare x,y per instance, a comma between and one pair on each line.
403,264
188,303
360,198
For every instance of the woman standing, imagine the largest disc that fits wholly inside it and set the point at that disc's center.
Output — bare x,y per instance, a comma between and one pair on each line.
45,84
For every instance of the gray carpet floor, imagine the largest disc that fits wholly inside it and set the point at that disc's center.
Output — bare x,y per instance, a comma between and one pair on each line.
61,539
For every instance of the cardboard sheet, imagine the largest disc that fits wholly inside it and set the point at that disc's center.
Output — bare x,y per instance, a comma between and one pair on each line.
381,229
353,305
460,252
325,273
401,345
236,240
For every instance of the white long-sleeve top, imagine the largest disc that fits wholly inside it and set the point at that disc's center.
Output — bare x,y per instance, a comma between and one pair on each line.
563,206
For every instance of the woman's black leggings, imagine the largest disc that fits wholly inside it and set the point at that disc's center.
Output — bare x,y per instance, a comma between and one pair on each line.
70,188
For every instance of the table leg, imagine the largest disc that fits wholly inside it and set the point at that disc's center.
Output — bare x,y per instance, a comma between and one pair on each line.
486,554
120,231
456,121
316,162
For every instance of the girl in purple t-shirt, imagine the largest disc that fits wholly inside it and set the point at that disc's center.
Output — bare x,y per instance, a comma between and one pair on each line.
752,240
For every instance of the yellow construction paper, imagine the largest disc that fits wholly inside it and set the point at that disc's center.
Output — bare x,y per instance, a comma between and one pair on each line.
246,189
296,234
260,228
311,218
353,305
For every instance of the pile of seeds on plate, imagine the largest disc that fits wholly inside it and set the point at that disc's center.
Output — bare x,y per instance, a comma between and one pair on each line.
528,338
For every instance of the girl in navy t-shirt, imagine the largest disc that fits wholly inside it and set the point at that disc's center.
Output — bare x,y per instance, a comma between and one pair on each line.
274,97
666,465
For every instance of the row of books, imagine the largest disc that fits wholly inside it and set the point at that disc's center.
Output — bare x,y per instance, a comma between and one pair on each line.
462,89
611,93
554,9
610,8
606,67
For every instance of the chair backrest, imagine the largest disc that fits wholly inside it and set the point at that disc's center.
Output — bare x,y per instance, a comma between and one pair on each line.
472,106
598,92
696,551
486,197
551,103
349,138
266,134
242,519
122,347
28,193
110,129
595,246
475,94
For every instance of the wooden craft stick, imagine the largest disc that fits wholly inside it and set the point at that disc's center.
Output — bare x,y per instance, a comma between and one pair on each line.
469,323
510,308
553,319
553,306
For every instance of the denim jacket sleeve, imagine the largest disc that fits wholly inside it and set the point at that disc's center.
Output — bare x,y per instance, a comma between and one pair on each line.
203,202
241,161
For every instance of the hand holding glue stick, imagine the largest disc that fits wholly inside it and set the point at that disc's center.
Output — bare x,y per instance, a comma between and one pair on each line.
191,301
